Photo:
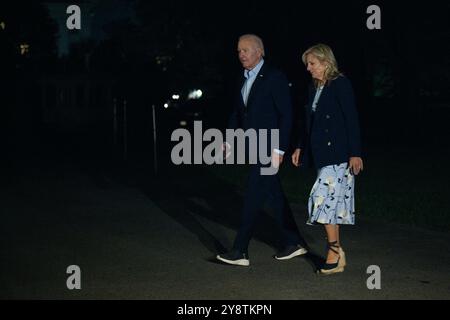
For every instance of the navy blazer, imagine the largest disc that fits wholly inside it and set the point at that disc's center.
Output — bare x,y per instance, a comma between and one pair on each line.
331,135
269,105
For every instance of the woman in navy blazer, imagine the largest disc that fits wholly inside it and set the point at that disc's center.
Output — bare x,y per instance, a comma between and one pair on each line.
331,142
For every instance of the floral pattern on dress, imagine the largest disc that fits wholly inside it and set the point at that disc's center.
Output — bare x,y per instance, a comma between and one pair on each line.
332,200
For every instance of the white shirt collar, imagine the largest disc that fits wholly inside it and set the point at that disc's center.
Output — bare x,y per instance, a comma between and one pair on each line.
253,72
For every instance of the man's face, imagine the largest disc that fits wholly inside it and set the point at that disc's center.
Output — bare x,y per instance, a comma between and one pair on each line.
249,53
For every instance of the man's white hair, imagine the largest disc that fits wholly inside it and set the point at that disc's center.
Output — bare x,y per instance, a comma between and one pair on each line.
257,40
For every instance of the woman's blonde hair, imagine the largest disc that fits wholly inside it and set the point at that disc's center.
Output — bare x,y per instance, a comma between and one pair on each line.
325,55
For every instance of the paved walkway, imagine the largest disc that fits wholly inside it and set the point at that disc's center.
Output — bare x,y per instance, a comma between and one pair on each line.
158,240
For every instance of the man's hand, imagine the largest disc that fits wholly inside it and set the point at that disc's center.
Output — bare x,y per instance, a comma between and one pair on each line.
355,165
277,159
296,157
226,150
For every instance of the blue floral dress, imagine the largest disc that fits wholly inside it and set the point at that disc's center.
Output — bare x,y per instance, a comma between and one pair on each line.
332,200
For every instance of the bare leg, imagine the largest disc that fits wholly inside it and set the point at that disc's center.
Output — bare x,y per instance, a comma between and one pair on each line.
337,235
332,235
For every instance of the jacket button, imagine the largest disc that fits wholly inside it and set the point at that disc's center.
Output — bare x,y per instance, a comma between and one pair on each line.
326,130
329,143
327,116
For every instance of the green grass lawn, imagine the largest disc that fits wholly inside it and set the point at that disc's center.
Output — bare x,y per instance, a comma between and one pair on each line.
396,185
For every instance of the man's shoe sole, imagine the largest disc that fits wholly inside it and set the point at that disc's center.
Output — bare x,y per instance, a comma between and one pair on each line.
296,253
240,262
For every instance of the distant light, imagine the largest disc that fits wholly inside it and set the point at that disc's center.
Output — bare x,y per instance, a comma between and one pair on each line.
196,114
166,105
24,48
175,96
2,25
183,123
195,94
290,84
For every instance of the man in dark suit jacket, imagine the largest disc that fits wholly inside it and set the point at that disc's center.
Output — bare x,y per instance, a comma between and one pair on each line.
263,102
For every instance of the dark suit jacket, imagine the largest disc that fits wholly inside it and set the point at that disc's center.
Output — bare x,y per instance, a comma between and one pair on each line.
331,135
269,105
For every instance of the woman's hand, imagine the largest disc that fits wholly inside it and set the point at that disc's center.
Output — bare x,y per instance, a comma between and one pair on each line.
296,157
355,165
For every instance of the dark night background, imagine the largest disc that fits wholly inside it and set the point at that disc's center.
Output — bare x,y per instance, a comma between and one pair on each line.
59,88
145,51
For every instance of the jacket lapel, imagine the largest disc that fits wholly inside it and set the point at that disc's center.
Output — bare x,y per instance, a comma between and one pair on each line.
256,84
312,94
240,83
321,98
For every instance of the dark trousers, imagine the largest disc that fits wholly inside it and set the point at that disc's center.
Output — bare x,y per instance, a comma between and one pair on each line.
262,188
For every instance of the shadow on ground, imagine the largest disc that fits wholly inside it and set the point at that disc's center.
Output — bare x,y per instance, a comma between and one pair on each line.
191,194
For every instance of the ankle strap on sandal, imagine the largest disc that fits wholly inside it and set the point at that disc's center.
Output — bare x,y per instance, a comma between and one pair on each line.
331,245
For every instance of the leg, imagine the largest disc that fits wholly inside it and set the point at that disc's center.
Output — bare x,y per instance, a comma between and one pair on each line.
283,214
332,236
337,235
253,203
341,250
335,257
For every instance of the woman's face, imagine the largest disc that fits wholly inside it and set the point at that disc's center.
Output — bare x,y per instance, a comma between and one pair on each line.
315,67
